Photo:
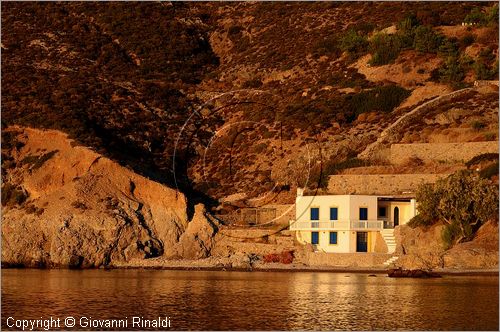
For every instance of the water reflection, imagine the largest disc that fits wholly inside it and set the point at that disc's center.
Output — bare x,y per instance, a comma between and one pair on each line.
249,301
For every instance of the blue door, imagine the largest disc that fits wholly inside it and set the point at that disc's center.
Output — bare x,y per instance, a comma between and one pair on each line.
363,213
314,238
361,241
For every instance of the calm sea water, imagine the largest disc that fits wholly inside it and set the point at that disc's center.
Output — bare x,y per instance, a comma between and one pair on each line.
203,300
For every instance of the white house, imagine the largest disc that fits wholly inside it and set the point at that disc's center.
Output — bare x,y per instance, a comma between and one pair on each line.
350,223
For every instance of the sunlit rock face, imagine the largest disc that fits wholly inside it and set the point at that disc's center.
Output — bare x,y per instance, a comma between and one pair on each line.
84,210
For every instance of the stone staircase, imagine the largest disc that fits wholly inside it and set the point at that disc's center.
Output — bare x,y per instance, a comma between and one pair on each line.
390,240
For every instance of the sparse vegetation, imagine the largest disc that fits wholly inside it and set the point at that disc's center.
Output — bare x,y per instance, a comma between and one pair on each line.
35,162
12,195
478,125
481,158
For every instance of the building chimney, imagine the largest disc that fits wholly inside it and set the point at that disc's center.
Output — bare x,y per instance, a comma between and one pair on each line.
300,191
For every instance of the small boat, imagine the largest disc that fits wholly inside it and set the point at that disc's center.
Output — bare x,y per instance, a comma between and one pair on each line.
400,273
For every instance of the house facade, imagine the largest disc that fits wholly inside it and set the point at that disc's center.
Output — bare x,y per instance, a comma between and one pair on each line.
350,223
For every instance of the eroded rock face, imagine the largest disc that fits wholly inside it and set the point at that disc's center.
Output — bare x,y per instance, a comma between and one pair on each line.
84,210
198,239
422,248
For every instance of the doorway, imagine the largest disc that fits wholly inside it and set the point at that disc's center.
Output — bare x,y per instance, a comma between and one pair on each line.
361,242
396,216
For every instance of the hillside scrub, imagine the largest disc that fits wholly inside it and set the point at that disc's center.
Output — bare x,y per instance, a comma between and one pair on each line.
354,43
463,202
483,18
384,48
414,33
383,99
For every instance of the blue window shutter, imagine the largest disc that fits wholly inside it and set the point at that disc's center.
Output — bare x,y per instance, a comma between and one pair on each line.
314,213
333,237
363,213
314,237
334,215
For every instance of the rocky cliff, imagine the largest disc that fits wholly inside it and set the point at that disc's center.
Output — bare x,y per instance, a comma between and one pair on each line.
67,205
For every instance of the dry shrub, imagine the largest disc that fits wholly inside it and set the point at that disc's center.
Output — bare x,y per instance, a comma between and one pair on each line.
286,257
414,161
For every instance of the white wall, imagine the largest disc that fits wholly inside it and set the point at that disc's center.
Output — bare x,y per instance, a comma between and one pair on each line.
369,202
324,202
348,206
344,241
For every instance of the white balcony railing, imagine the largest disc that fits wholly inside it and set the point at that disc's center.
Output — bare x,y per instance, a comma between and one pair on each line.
336,225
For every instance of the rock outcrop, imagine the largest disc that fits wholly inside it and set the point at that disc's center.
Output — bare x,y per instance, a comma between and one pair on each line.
84,210
422,248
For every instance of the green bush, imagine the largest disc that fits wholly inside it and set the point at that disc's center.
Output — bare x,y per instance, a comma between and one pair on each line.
449,233
467,40
419,221
426,40
382,99
408,24
448,48
490,136
480,158
484,72
384,48
478,125
353,43
490,171
452,71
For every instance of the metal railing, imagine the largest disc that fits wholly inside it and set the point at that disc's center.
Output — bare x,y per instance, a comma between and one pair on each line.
337,225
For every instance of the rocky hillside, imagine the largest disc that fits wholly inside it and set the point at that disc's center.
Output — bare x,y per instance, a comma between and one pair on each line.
246,99
67,205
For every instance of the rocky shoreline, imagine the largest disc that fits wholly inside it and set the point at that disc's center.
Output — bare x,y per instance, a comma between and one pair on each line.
207,265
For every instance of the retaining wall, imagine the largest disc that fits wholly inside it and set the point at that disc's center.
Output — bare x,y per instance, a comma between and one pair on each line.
368,260
399,153
380,184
